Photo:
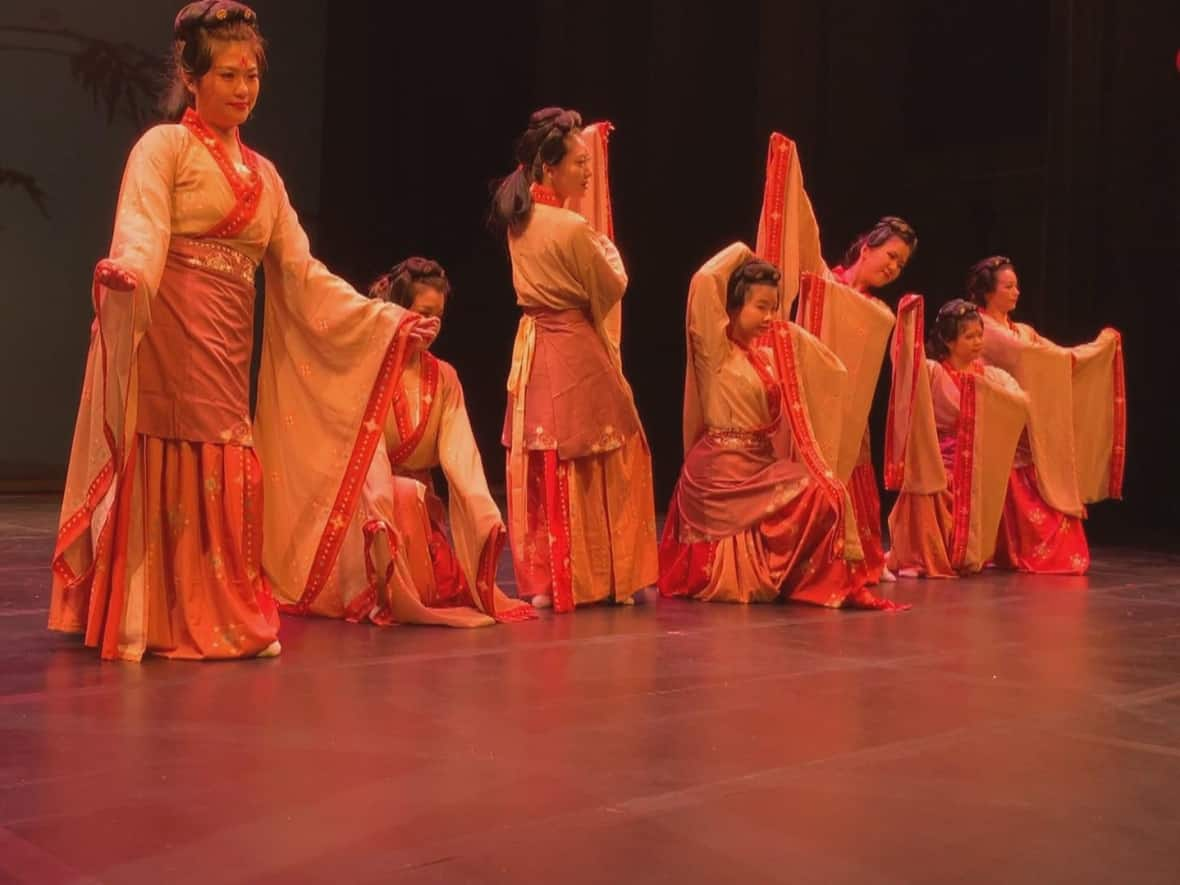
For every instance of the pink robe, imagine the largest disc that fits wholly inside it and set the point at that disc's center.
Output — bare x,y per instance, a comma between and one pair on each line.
949,445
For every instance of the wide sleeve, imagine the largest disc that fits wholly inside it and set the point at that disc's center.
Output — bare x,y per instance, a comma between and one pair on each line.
706,341
599,267
477,529
143,219
106,417
788,235
913,461
331,360
473,513
312,296
1045,372
1100,416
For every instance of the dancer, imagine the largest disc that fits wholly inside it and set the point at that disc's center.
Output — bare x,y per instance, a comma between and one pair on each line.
844,314
1074,450
581,514
164,544
757,515
949,444
397,564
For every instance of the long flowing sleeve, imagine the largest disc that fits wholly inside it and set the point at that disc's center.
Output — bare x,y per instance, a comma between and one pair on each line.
331,361
473,514
788,235
913,462
107,409
1045,372
143,219
704,325
477,528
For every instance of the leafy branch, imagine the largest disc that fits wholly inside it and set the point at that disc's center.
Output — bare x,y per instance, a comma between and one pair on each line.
121,78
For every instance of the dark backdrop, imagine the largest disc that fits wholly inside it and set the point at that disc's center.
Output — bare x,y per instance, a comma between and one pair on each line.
1047,131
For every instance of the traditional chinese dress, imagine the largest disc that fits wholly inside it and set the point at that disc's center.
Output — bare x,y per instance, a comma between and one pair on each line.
757,515
580,505
950,442
399,563
1074,450
854,325
181,513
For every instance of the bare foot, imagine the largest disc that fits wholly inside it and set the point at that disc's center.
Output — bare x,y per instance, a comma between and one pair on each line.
271,651
542,600
887,576
630,600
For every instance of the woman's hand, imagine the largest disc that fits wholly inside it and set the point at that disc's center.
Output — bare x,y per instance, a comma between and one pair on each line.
424,333
109,274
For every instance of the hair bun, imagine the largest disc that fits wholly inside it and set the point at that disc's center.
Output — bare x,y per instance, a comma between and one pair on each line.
555,118
211,13
417,268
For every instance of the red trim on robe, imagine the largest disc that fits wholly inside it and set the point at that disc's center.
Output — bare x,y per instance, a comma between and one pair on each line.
784,351
778,160
685,568
247,191
80,521
368,434
546,196
812,290
964,468
427,397
557,518
1118,451
895,461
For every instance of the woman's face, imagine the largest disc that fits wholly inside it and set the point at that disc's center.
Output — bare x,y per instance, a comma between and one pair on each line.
968,347
429,302
881,265
570,177
756,315
227,93
1003,298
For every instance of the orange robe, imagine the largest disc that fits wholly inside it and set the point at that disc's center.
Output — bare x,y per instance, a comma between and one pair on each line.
1075,448
854,326
757,515
580,502
161,544
398,564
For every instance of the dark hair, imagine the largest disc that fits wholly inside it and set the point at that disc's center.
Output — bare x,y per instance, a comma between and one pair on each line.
407,278
983,277
751,272
948,326
196,28
542,144
879,234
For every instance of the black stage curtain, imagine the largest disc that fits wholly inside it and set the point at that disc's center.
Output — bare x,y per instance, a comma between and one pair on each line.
1047,131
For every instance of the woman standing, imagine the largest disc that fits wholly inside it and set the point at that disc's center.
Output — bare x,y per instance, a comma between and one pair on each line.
580,507
164,545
